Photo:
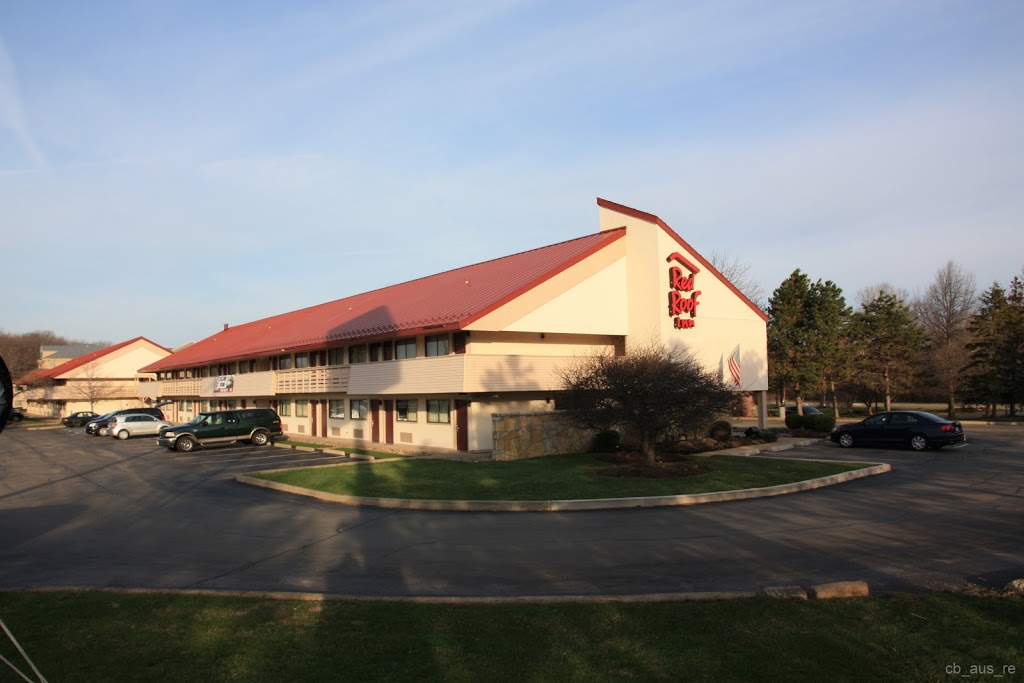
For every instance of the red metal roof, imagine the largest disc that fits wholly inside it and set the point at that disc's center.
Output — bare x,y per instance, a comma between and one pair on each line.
51,373
447,300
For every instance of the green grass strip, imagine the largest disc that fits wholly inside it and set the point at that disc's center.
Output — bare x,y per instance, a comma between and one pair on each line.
110,637
550,478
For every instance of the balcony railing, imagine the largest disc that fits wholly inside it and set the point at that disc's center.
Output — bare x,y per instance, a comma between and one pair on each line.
322,380
468,373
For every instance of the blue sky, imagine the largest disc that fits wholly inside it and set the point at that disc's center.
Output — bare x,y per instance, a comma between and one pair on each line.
202,163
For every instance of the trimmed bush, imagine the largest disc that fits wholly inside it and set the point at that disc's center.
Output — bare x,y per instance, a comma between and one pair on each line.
606,441
820,422
769,435
720,430
794,421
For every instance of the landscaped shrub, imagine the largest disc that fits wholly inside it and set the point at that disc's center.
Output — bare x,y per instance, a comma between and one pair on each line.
794,421
720,430
606,441
769,435
820,422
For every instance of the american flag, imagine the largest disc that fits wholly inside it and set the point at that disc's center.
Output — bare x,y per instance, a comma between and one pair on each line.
734,366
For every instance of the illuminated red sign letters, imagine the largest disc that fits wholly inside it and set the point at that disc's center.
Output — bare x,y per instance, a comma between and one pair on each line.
680,284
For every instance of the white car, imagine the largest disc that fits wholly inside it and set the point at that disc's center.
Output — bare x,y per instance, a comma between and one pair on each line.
135,424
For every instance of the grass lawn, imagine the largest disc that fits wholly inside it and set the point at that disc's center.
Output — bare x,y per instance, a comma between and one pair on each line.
561,477
113,637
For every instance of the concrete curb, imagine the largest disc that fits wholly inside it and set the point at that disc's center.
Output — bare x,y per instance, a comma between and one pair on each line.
775,592
567,505
414,599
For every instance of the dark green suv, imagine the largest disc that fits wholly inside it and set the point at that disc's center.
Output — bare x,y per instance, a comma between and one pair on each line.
255,425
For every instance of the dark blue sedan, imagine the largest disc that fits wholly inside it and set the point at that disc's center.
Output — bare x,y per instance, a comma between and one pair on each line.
914,428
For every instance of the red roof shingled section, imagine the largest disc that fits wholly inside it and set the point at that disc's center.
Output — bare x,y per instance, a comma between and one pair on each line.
447,300
51,373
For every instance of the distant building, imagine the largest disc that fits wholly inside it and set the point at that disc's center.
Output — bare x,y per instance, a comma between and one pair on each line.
50,356
430,362
101,380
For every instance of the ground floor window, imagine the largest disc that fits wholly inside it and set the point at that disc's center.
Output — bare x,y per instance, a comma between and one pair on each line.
188,406
284,408
301,408
439,410
337,409
357,408
405,410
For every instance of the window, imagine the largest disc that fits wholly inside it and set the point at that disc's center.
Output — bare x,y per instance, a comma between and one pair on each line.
336,357
284,362
357,354
243,367
437,345
357,408
301,408
439,410
231,405
337,409
284,408
405,348
301,360
188,406
405,410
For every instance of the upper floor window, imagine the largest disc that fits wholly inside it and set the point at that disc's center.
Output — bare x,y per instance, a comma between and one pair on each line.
357,354
437,345
284,362
336,356
301,360
405,348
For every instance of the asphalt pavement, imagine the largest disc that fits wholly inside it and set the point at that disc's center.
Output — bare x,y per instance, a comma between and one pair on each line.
77,510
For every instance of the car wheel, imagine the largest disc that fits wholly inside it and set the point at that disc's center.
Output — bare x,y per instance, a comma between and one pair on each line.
260,438
102,431
918,442
123,434
846,439
185,444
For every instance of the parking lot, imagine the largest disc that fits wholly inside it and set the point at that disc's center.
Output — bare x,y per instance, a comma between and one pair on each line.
94,511
216,462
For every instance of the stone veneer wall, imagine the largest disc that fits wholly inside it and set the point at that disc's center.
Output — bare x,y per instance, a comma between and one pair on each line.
529,435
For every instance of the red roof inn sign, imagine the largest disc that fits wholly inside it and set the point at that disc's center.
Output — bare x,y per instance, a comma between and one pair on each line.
682,299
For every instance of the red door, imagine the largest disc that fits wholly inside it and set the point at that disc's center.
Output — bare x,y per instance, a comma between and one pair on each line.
389,421
462,425
316,406
323,418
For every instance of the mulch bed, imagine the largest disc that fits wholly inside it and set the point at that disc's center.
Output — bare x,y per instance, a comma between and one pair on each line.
632,464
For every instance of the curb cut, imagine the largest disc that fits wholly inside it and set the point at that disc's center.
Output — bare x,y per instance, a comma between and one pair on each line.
565,505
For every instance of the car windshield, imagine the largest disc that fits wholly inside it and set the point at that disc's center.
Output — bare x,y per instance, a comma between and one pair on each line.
198,419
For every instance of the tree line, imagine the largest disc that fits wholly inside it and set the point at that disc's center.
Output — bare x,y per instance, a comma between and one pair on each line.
948,343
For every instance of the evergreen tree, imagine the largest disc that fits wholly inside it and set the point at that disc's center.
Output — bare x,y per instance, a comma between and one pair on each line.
890,342
830,344
984,380
789,336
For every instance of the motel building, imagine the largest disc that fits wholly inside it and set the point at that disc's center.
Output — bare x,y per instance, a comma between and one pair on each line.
430,363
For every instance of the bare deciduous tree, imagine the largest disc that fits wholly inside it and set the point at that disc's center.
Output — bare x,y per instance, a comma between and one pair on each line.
738,273
945,310
650,391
